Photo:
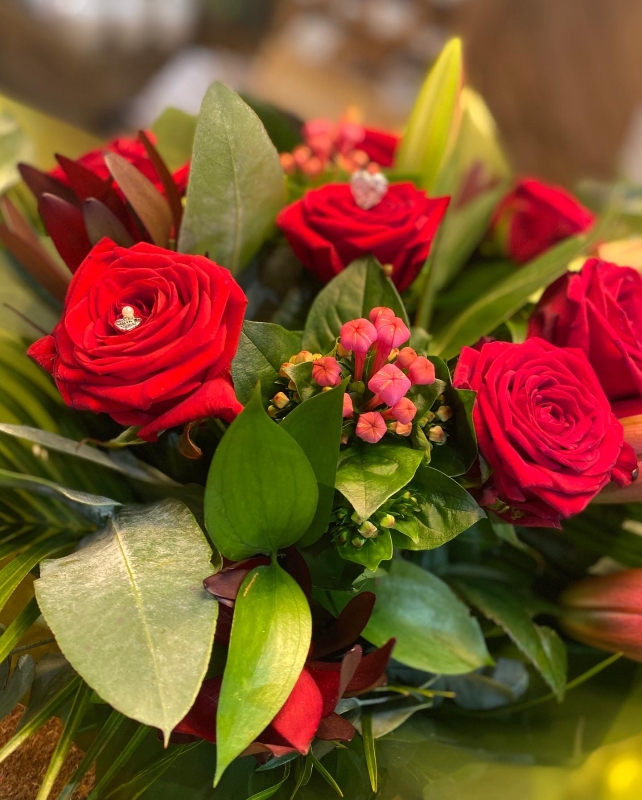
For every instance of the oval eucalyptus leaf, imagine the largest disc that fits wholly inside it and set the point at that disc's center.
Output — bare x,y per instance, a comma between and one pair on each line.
130,613
321,413
263,347
236,184
354,292
435,631
261,492
369,474
271,634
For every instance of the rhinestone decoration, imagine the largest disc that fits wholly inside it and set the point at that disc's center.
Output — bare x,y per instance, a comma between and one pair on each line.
368,188
127,322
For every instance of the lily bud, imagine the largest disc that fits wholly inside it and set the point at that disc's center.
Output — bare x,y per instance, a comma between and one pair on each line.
326,371
280,400
606,612
422,372
444,413
437,434
405,358
389,385
371,427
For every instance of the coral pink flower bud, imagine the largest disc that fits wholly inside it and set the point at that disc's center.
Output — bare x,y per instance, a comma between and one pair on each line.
405,358
389,385
371,427
380,311
348,408
391,331
422,372
326,371
358,335
404,410
606,612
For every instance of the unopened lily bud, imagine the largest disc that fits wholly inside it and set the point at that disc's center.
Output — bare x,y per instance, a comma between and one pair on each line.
389,384
358,542
379,312
437,434
326,371
422,372
606,612
280,400
444,413
368,529
371,427
272,411
405,357
348,408
387,521
403,428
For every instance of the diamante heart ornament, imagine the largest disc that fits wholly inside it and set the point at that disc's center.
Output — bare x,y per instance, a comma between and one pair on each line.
368,188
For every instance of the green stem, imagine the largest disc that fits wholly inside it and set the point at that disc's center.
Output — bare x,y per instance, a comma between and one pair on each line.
18,628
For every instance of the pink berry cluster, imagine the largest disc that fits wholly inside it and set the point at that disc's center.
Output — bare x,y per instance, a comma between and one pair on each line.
382,374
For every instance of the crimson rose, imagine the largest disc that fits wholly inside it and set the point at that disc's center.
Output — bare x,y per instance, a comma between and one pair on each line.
328,230
535,216
545,427
173,367
598,310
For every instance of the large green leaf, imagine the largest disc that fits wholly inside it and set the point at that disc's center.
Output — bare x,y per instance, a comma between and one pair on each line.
270,639
236,184
541,645
445,509
261,491
174,131
321,413
130,613
433,628
263,347
505,298
354,292
434,119
369,474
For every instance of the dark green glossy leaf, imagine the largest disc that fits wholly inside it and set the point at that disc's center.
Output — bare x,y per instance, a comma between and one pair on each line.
354,292
261,492
236,185
136,589
369,474
271,635
301,374
263,347
458,454
283,129
433,628
321,413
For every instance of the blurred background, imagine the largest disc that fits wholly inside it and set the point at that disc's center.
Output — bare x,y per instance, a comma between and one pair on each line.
562,77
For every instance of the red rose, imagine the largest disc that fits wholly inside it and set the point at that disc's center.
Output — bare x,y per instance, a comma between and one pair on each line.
535,216
173,367
598,310
379,146
327,230
545,427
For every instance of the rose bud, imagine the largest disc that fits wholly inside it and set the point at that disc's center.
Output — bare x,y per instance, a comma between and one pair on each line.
606,612
405,357
348,408
380,311
404,410
371,427
326,371
389,385
422,372
358,335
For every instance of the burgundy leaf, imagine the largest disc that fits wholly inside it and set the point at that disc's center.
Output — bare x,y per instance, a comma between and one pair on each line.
41,183
171,191
371,671
226,583
297,567
333,677
346,629
101,223
200,720
42,269
335,727
66,226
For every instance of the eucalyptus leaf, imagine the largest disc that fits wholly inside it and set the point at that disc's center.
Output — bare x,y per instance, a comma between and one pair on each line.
353,293
261,492
271,634
136,591
369,474
263,347
236,185
433,628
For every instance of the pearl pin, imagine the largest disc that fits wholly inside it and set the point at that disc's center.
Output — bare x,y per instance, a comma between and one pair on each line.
128,321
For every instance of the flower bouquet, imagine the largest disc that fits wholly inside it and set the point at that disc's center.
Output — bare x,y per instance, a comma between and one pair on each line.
318,450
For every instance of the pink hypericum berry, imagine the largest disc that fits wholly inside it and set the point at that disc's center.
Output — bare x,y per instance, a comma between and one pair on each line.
391,331
348,408
405,357
389,384
422,371
378,312
371,427
404,410
358,335
326,371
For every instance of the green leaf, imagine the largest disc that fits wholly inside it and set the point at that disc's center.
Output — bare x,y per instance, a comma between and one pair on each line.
174,131
261,492
433,628
20,292
321,413
270,639
137,590
505,298
434,119
301,374
14,148
263,347
458,454
541,645
236,185
118,763
272,790
354,292
324,773
372,553
370,749
445,510
282,128
17,686
369,474
16,570
17,629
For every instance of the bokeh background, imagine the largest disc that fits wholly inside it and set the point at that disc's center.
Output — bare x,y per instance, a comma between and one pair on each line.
562,77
